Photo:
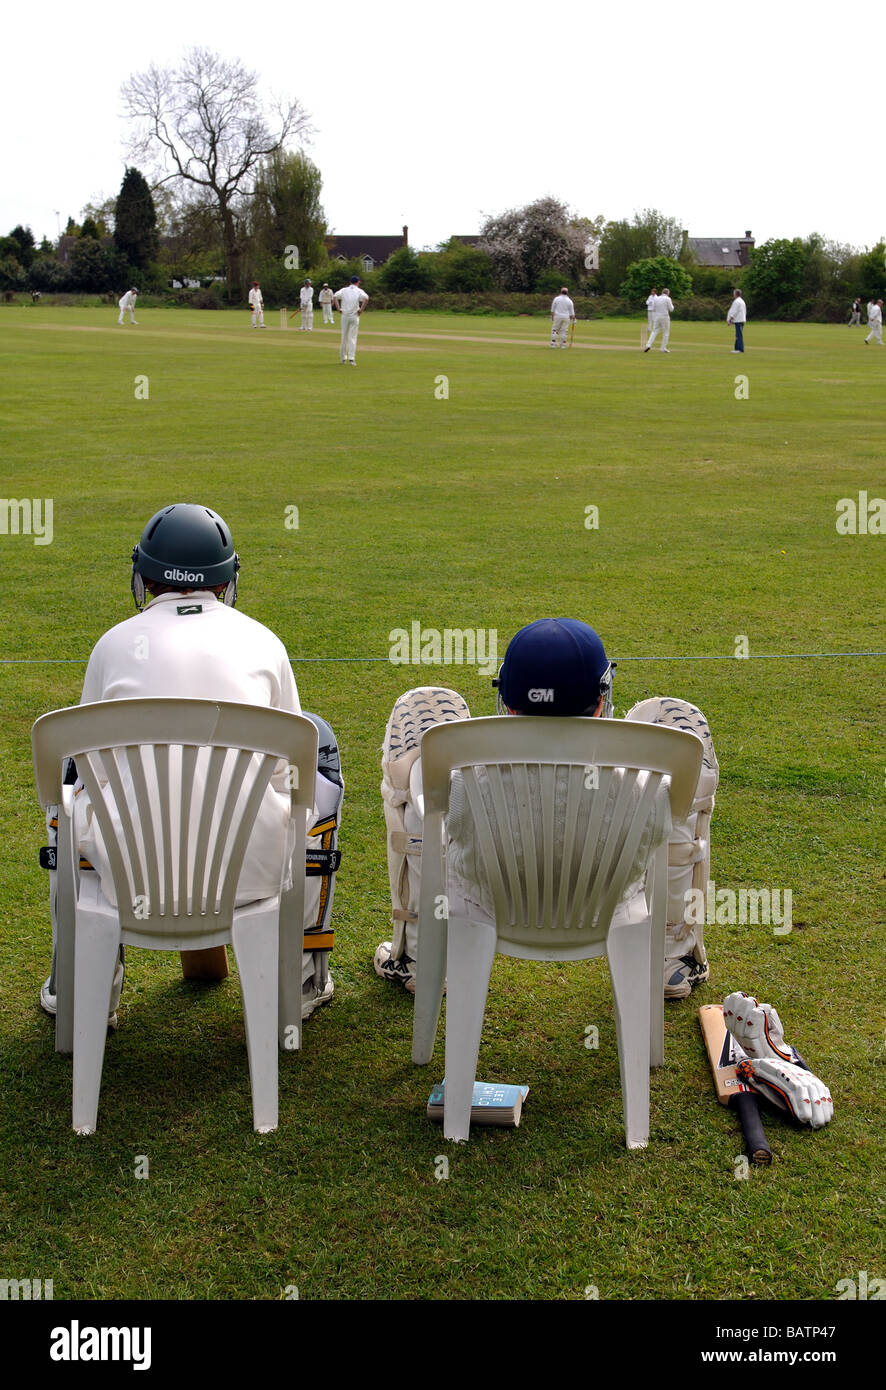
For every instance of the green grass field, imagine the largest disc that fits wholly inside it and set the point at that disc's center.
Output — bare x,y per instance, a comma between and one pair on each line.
716,522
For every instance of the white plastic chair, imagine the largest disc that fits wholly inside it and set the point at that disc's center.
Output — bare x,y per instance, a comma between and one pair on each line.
183,782
556,890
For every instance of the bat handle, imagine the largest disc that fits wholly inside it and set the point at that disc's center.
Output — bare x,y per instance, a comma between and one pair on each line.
756,1145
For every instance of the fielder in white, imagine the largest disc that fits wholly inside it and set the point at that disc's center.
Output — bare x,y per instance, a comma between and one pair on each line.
562,315
351,302
325,298
650,303
662,308
128,303
257,305
306,298
875,322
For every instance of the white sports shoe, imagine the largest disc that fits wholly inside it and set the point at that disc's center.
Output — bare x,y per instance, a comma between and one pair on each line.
682,974
312,997
49,1004
396,972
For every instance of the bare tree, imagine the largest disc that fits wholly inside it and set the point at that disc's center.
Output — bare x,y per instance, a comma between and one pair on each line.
204,124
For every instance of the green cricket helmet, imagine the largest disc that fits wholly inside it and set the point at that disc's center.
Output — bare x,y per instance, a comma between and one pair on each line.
185,546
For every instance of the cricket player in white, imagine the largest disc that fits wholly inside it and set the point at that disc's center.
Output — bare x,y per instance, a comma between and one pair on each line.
875,322
350,302
562,315
662,308
257,304
650,303
193,644
306,298
128,302
325,298
738,315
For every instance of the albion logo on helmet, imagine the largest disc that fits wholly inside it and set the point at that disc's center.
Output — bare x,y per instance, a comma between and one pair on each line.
183,576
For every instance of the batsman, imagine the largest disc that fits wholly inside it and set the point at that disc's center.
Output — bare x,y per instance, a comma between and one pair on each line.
562,318
575,652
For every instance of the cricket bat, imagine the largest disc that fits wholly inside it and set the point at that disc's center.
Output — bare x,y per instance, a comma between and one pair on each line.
724,1054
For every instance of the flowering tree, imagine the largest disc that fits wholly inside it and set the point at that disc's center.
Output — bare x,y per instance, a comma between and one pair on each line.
524,242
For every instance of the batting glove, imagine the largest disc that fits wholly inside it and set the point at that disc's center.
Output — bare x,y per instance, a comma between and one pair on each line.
758,1029
791,1088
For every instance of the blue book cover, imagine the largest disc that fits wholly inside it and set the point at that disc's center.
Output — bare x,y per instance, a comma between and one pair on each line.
493,1102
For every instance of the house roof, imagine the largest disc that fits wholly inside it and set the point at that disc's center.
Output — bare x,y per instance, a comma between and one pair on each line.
66,244
729,252
378,247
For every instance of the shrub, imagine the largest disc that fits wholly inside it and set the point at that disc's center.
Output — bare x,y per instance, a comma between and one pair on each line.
206,299
658,271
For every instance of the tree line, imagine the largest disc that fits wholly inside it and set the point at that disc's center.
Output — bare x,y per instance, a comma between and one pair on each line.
223,201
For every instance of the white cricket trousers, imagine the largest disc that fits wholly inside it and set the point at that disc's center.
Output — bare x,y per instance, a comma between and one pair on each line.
349,326
327,314
876,333
660,323
559,325
307,319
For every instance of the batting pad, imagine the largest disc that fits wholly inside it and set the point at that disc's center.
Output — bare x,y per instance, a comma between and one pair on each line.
689,848
322,855
415,712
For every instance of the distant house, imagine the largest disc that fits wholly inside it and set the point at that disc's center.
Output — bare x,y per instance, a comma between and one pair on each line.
373,251
728,253
67,243
473,240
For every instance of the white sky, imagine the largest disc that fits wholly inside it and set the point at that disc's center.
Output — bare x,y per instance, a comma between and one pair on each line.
765,115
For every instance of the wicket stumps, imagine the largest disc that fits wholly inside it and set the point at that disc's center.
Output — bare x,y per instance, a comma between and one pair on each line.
283,323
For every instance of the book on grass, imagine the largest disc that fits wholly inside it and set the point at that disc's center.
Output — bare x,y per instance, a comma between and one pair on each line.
494,1103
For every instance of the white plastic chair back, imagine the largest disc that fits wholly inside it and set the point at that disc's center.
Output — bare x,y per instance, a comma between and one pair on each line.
560,808
176,786
185,780
559,888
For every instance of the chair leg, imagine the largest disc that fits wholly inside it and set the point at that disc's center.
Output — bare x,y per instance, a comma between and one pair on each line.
430,976
289,993
657,956
656,1002
255,942
627,948
97,950
470,956
65,896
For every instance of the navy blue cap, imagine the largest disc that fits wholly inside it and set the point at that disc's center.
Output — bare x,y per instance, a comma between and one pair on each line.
553,666
354,279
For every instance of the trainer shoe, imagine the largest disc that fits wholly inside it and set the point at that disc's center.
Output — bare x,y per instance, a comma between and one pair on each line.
312,997
396,972
682,974
49,1005
646,349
